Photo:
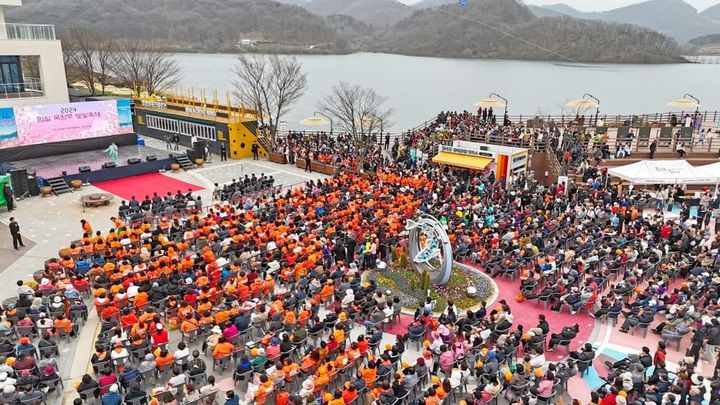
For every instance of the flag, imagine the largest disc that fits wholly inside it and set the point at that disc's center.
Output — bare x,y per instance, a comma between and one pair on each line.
463,3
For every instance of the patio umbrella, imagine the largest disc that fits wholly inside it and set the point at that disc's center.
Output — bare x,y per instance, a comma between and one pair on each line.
582,103
314,121
684,103
490,102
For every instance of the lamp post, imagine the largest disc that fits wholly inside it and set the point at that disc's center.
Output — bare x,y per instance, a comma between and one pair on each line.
329,119
597,110
501,98
697,108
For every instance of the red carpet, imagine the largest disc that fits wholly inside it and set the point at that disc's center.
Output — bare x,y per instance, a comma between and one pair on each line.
145,184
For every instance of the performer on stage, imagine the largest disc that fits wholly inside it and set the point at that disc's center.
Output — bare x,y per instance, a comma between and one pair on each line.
112,151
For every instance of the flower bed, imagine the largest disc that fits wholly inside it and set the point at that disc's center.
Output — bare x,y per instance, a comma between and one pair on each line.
405,284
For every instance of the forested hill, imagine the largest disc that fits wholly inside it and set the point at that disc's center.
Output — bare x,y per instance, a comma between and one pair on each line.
464,32
444,31
210,25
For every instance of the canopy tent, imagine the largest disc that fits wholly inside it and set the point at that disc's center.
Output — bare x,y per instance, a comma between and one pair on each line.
712,169
663,172
464,161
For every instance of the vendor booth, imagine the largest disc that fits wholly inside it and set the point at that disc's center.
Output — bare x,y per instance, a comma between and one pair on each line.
663,172
506,162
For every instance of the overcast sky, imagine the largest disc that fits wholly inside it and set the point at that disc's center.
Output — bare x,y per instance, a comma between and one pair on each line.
602,5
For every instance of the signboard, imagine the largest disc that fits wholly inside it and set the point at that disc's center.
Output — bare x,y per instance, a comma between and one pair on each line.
39,124
8,129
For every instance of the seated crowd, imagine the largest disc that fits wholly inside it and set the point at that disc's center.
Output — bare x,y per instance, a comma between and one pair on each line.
273,290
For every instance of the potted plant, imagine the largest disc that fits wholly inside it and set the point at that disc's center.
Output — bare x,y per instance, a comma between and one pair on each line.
76,184
175,167
199,162
46,191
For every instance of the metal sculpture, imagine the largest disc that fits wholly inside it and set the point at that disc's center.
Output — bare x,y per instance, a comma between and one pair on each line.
434,253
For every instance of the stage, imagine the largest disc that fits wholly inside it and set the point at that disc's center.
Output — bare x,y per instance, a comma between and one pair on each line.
53,166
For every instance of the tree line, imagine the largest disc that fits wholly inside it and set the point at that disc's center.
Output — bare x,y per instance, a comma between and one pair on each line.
94,59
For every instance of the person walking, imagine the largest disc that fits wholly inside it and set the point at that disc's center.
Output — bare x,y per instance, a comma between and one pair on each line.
15,232
223,152
254,148
8,194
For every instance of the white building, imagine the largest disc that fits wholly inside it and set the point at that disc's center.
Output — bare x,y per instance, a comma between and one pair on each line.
31,63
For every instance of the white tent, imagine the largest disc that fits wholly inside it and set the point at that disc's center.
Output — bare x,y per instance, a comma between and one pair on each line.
663,172
712,168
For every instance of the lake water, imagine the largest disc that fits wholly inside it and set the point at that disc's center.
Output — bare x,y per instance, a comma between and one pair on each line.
418,88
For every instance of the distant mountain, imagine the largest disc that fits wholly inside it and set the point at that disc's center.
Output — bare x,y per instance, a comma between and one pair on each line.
438,32
214,25
713,39
431,3
564,9
293,2
676,18
348,26
541,11
712,13
379,13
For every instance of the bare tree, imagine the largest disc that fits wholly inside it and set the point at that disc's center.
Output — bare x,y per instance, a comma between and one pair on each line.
145,66
106,53
270,85
79,54
360,111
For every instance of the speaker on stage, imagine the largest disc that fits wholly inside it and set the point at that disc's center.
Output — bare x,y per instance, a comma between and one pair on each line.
108,165
33,187
151,158
19,180
84,169
133,161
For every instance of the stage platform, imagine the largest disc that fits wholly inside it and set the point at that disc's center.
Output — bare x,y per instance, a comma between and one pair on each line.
53,166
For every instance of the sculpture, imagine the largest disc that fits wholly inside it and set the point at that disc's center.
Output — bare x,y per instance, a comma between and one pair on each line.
434,254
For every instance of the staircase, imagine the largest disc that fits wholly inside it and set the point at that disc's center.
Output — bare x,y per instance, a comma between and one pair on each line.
184,162
59,185
263,140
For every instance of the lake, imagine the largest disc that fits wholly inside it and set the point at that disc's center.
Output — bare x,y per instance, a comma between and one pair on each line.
418,88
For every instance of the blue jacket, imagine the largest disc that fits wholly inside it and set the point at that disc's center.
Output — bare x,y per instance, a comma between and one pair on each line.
111,398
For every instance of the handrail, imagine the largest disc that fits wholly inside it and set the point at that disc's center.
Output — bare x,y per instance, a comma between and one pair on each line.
27,32
32,87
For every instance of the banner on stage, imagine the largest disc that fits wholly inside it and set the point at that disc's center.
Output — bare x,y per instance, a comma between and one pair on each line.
8,129
39,124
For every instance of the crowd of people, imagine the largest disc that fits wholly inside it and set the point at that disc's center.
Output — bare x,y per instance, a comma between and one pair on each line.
271,289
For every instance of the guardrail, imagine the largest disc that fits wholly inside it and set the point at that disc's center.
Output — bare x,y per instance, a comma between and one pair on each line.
29,88
27,32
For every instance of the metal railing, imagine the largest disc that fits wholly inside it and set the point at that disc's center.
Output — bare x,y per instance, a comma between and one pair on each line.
27,32
31,87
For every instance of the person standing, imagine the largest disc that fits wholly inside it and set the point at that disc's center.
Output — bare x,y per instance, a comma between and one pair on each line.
176,140
223,152
8,194
653,148
387,141
15,232
254,149
168,141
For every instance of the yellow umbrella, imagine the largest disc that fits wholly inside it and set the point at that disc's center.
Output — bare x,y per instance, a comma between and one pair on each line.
490,102
582,103
684,103
314,121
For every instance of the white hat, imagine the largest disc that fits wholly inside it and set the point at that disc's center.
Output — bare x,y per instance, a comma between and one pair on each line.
114,388
216,329
158,326
188,280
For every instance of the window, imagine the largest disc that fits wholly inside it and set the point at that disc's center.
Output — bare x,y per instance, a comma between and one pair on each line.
201,131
